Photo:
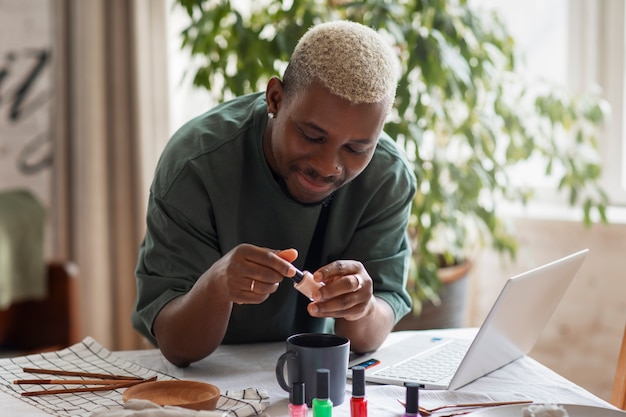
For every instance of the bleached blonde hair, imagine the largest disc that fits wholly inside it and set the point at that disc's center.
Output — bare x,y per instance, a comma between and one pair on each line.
351,60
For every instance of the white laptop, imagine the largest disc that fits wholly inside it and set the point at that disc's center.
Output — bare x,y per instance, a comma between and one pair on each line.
509,331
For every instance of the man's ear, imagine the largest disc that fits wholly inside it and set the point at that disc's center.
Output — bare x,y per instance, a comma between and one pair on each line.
274,94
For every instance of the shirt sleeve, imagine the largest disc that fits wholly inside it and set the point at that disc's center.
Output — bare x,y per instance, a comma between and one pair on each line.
386,241
176,250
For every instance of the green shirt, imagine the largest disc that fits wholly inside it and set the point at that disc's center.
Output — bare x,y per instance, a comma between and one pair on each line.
213,190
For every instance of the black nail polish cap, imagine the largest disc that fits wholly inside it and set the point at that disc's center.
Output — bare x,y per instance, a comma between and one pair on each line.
297,393
299,276
412,399
323,381
358,382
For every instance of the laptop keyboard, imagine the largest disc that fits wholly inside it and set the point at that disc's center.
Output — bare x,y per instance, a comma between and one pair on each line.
429,367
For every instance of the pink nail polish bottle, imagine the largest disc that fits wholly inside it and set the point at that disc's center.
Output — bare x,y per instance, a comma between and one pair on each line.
297,406
304,282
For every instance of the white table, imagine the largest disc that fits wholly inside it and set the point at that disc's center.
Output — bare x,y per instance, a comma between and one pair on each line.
236,367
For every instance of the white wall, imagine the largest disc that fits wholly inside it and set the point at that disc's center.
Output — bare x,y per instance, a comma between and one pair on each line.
582,339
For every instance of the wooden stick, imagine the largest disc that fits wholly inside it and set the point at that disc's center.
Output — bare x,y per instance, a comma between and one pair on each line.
487,404
77,373
72,381
87,389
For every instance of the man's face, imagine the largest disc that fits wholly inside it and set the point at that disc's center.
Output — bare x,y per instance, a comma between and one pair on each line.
318,141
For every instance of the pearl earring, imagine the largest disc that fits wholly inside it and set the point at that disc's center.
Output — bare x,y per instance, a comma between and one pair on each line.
270,115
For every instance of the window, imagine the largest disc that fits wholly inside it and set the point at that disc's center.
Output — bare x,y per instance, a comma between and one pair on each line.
186,101
581,44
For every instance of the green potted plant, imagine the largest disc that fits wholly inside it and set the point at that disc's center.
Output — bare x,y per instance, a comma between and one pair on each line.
463,115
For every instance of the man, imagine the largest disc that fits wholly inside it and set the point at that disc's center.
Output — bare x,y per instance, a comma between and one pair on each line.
302,176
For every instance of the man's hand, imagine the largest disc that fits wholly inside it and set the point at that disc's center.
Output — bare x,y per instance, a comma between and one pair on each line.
347,291
193,325
249,274
348,296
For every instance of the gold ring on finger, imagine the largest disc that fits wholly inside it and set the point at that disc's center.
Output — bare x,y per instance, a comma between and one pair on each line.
360,282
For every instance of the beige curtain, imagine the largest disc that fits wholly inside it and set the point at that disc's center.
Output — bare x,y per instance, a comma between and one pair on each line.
111,123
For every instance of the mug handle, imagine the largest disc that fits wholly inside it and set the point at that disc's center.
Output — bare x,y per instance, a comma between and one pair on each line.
280,369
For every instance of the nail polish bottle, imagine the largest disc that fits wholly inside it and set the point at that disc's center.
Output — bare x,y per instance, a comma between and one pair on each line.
297,406
412,401
358,402
304,282
322,405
